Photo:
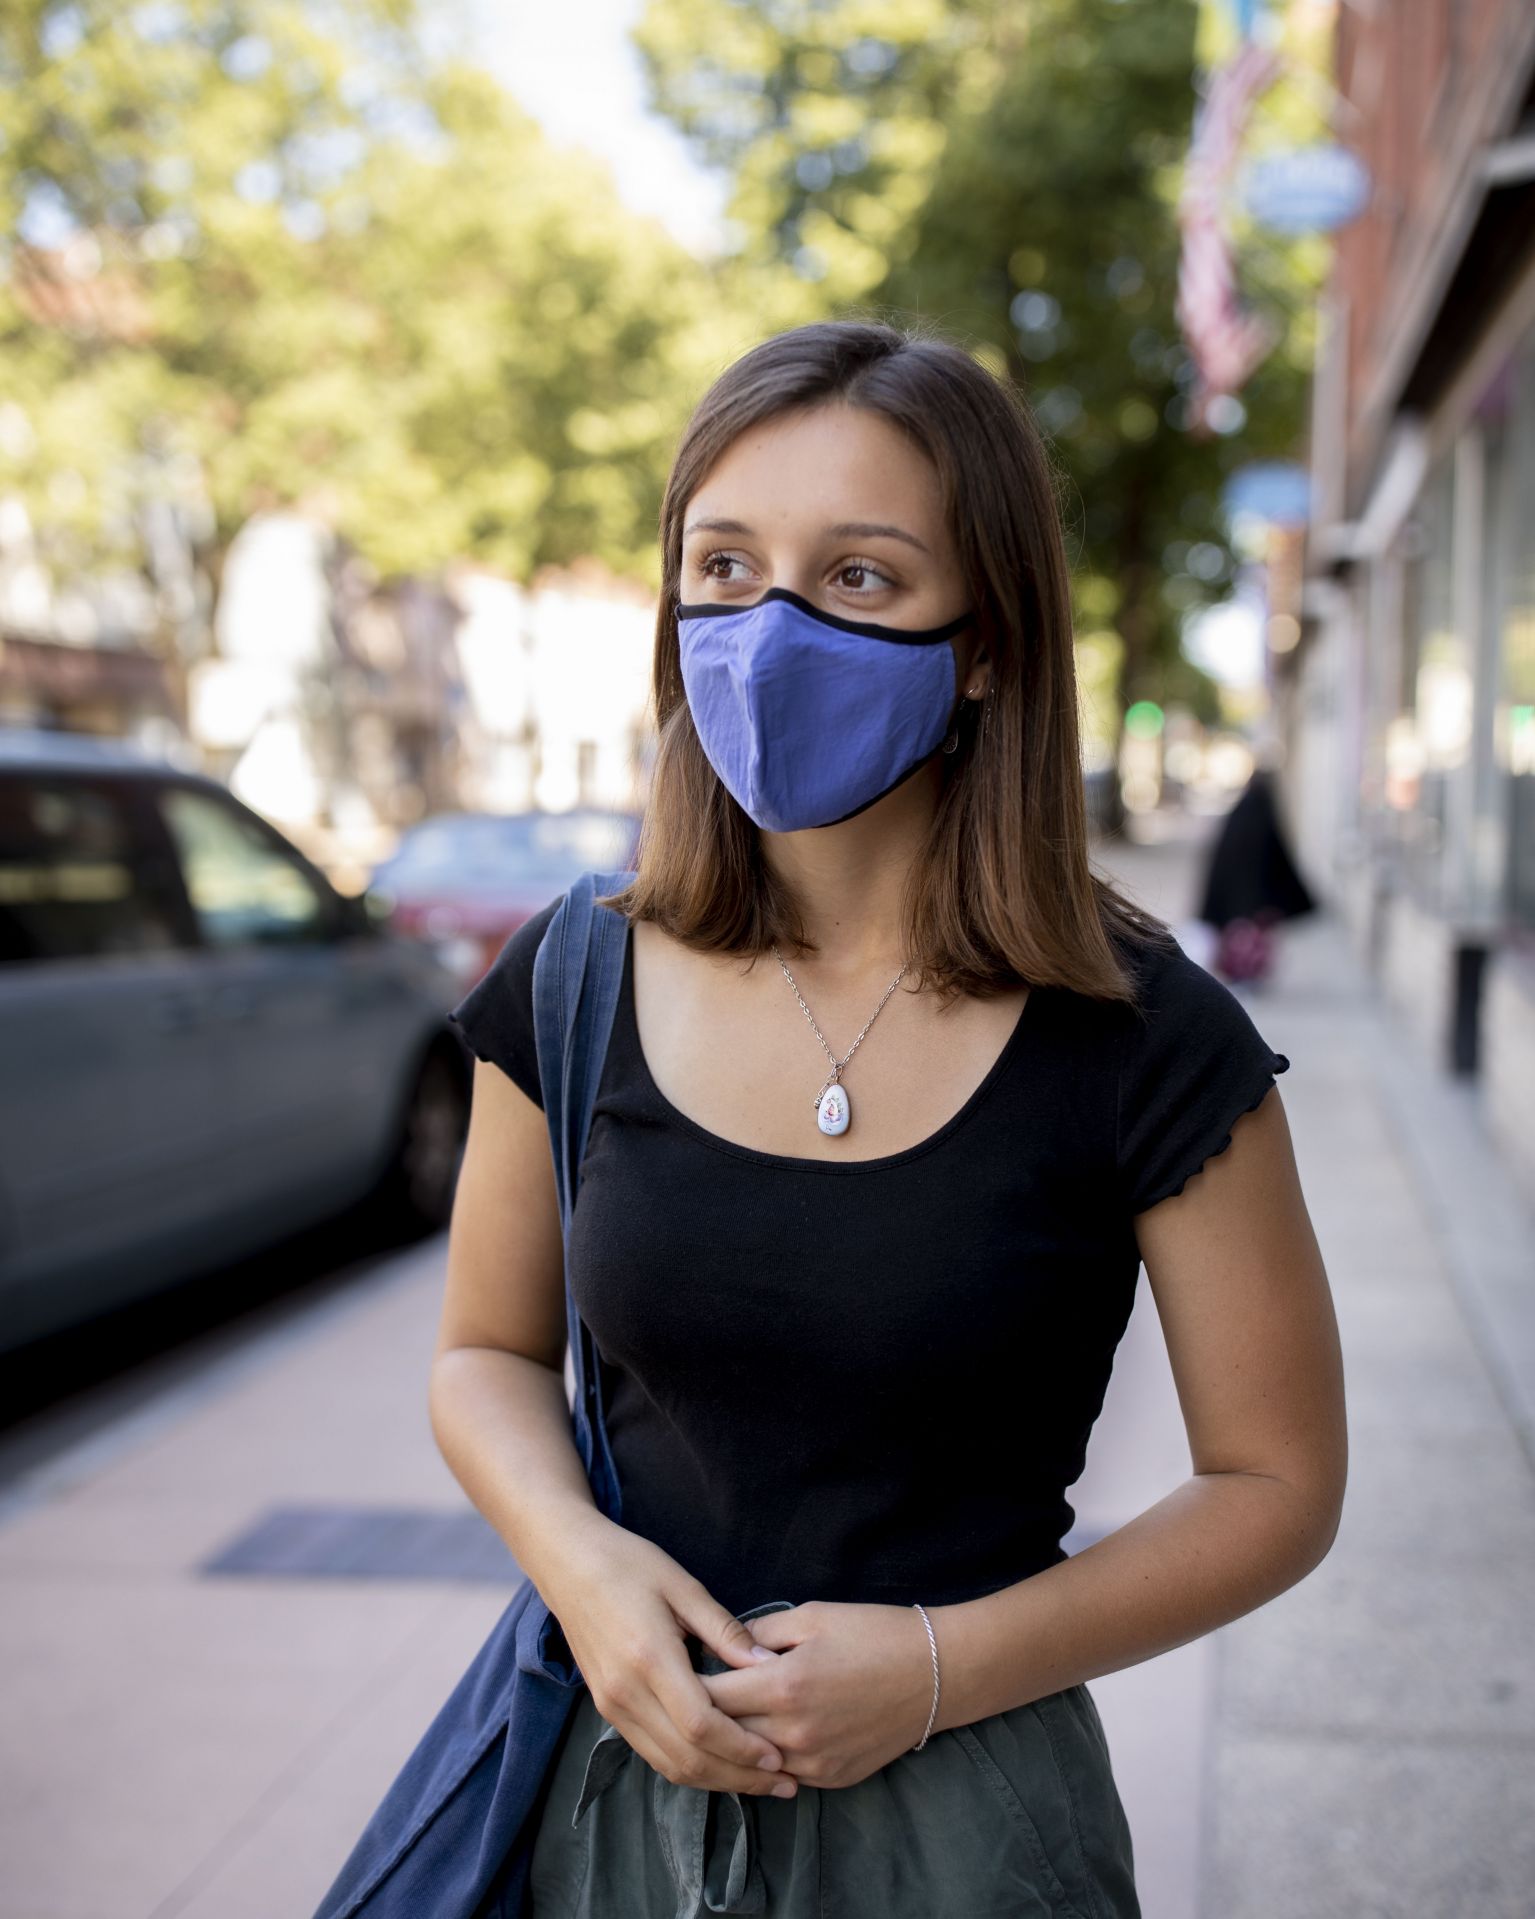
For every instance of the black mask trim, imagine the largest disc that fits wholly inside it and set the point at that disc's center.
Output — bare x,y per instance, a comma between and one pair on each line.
868,629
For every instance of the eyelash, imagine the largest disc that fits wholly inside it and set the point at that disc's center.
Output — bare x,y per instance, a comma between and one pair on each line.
701,567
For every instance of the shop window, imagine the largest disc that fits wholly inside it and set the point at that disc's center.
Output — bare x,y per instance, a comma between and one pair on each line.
1430,739
1511,518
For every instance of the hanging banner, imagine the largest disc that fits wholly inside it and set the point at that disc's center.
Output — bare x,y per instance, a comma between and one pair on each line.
1263,163
1225,339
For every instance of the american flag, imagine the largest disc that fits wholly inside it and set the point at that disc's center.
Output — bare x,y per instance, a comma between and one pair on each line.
1225,340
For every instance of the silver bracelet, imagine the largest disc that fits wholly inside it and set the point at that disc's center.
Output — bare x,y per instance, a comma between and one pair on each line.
934,1644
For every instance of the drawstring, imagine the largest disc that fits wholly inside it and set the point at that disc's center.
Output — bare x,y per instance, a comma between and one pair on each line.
713,1872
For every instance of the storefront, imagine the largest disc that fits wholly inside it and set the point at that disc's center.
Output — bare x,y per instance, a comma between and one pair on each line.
1411,709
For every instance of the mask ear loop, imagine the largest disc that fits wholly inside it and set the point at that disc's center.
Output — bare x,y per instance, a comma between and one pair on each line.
676,687
951,738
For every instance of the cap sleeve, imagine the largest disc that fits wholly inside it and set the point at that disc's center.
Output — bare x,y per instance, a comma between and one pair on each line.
1192,1063
496,1015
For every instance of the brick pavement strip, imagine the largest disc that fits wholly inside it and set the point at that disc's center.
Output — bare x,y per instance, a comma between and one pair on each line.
1364,1745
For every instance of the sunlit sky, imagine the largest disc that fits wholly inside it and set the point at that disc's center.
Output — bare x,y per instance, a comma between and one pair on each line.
570,64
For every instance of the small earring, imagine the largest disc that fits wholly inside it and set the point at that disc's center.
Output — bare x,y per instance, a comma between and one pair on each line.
951,740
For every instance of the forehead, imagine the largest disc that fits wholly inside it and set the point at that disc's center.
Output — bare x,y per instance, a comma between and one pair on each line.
820,465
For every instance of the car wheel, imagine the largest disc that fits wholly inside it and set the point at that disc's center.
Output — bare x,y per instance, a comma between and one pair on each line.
418,1188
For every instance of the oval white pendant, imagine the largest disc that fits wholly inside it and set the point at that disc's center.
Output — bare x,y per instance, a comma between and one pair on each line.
834,1113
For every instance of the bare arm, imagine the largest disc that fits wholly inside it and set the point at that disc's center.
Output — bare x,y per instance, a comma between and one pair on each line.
1247,1313
502,1422
497,1393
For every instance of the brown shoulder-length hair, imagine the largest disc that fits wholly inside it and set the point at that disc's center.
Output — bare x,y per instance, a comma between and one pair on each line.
1002,892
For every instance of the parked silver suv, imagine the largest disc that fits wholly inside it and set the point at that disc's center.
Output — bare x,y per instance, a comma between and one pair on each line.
204,1047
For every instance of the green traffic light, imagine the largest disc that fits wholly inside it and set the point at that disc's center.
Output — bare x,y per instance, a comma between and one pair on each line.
1144,719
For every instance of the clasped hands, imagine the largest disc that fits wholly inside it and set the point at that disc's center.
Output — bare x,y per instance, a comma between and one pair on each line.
821,1694
847,1688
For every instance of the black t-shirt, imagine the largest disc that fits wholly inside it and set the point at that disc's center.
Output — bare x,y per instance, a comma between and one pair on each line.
874,1382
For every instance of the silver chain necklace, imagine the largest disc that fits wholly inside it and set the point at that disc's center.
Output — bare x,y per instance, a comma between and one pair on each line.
833,1112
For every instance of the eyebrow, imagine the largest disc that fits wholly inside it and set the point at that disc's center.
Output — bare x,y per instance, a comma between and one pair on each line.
856,529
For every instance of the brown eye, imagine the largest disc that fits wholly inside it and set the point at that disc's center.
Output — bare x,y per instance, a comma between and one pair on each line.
866,570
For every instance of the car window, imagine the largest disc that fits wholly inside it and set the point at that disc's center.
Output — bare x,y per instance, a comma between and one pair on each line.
530,846
243,887
558,843
76,881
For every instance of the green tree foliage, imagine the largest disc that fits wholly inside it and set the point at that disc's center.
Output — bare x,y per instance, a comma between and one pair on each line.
1011,173
1051,233
830,117
273,247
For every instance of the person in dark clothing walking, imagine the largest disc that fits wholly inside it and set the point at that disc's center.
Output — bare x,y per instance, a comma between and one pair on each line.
1251,882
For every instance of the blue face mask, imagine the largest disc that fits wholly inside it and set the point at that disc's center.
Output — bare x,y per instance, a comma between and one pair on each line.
808,718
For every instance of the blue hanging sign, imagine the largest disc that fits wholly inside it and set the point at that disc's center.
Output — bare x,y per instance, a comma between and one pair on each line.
1278,491
1307,189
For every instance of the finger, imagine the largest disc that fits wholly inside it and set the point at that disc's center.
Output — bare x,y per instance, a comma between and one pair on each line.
704,1725
748,1706
650,1731
715,1625
740,1695
764,1723
780,1631
668,1707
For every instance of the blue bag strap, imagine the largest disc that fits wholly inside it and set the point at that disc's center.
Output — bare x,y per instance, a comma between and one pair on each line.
577,976
477,1771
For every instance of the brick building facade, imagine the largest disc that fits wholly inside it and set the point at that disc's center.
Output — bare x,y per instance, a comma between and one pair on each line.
1410,701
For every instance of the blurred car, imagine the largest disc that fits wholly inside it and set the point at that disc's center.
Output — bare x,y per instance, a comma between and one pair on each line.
204,1047
469,880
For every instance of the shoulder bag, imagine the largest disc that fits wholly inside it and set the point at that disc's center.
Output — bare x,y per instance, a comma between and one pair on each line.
453,1835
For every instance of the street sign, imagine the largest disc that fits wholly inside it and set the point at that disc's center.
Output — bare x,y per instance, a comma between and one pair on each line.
1275,490
1305,189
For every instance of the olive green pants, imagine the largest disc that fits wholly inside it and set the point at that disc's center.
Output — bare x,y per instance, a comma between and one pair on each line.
1016,1816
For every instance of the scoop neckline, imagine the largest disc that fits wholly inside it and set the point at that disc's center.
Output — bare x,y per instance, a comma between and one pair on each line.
794,1162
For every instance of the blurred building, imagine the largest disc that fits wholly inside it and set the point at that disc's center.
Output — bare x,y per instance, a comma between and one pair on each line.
1409,692
346,708
557,688
79,654
87,646
330,701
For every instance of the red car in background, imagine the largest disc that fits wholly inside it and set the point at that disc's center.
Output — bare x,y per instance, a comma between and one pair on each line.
464,882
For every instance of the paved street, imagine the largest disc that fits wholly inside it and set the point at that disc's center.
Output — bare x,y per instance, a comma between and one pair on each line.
180,1741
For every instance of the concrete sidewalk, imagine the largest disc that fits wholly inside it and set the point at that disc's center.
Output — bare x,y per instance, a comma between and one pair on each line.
183,1743
1364,1744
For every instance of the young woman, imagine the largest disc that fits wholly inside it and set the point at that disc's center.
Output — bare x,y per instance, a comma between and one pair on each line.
899,1095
